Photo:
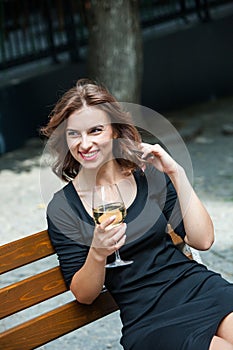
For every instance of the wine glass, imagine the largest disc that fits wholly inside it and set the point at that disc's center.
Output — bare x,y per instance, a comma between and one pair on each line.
106,202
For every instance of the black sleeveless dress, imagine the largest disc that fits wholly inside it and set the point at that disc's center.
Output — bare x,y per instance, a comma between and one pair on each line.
166,301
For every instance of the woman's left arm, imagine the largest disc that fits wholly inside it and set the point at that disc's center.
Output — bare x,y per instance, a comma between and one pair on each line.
197,222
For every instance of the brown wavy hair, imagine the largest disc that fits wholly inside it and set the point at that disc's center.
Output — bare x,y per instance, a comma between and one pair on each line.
88,93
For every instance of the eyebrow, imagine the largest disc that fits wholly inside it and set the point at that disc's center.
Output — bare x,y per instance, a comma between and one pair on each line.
69,129
92,127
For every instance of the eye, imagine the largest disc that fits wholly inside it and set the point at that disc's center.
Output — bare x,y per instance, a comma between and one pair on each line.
72,133
96,130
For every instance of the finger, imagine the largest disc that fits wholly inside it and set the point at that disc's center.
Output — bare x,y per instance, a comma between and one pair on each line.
148,156
149,147
107,222
120,243
116,236
147,151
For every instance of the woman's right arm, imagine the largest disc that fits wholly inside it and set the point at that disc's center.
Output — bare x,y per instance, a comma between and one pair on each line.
88,281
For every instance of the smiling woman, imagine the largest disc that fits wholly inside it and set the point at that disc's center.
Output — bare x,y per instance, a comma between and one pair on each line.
162,292
89,136
95,111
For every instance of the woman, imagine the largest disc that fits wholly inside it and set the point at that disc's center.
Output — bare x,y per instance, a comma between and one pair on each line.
165,299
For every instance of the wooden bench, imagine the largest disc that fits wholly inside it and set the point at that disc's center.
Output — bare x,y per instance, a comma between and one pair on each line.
42,286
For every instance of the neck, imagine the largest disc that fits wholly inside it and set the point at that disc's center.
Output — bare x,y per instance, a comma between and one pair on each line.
109,173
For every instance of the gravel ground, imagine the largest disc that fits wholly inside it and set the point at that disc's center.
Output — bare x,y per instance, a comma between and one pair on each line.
208,137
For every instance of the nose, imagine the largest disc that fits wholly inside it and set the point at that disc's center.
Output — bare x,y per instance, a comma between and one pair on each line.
85,143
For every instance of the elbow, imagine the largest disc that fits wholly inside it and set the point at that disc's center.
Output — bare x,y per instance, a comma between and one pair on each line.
201,242
85,301
202,246
82,299
209,238
207,244
208,241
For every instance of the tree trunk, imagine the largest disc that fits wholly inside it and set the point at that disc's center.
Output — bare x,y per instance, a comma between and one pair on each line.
115,47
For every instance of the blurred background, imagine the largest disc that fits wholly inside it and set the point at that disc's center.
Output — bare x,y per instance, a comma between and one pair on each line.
164,54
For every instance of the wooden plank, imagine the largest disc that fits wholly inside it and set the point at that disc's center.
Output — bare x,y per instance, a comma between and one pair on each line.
31,291
56,323
32,248
24,251
177,240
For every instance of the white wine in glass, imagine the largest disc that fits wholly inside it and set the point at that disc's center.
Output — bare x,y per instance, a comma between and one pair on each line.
107,201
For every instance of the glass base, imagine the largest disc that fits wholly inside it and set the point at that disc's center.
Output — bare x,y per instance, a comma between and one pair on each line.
118,263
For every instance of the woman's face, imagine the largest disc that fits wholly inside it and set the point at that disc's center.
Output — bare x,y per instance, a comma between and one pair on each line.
89,137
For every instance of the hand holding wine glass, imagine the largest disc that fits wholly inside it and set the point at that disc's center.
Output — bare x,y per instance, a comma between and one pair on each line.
108,203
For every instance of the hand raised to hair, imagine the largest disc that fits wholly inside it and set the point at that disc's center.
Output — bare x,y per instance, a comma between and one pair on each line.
157,156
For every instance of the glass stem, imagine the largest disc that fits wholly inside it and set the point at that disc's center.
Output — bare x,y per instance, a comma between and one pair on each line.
118,258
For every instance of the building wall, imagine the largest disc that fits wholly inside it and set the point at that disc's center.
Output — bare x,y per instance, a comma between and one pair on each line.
180,68
189,66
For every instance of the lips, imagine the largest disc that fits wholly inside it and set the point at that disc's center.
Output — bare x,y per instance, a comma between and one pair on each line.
89,156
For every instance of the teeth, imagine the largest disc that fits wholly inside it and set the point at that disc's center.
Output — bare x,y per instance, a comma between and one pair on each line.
89,155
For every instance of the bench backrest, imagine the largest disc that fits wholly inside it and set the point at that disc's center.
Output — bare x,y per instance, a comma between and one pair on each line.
35,289
38,288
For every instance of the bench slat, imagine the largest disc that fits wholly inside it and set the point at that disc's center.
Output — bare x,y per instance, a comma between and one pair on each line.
31,291
24,251
56,323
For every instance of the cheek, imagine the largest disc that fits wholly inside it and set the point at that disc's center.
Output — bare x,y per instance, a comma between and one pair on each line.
107,145
71,143
72,146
